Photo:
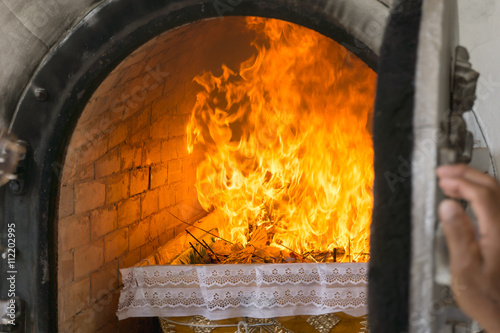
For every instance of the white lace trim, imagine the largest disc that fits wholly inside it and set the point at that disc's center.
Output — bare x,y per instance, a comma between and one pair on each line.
256,290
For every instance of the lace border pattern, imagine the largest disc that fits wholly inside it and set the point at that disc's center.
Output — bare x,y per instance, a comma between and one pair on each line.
227,291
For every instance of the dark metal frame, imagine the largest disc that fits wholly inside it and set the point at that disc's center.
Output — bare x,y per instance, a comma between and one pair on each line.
390,238
53,101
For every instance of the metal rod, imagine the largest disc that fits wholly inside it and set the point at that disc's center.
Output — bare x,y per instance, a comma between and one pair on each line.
195,250
289,249
196,239
192,225
215,254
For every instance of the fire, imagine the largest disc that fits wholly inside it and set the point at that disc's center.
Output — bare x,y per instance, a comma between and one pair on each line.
286,142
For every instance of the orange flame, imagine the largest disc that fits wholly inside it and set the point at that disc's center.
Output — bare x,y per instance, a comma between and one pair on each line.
286,142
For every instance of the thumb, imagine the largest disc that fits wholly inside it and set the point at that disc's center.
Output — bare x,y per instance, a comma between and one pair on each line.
460,235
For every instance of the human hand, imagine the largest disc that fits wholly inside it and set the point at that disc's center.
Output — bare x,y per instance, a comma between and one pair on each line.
474,262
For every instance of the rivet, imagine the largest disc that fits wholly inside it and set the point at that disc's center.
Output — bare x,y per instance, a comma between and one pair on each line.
41,94
15,186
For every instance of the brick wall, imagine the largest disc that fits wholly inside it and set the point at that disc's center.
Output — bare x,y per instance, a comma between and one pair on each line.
127,166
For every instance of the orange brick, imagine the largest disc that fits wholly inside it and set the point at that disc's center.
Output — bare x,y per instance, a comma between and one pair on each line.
110,300
137,62
161,107
139,234
140,120
65,269
149,203
174,148
157,59
92,150
159,176
155,90
129,211
75,298
169,149
90,109
66,172
183,190
167,236
84,321
99,315
117,187
108,164
103,221
181,144
88,258
74,231
150,248
189,166
133,105
136,88
108,121
66,201
109,83
67,326
130,259
174,171
121,104
185,212
140,136
104,281
174,223
89,195
117,106
130,109
83,136
159,128
176,88
101,104
158,224
119,134
115,244
151,153
157,67
177,125
167,196
105,308
139,181
131,157
192,199
179,229
83,173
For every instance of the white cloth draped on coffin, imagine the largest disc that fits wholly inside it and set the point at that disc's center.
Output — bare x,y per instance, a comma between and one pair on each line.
254,290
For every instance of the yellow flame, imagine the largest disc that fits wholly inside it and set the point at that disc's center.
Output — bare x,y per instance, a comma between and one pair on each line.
286,142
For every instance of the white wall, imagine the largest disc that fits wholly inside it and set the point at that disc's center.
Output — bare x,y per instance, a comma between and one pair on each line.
480,33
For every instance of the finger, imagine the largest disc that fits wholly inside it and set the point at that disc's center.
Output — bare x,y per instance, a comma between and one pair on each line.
484,201
455,170
473,175
486,205
460,237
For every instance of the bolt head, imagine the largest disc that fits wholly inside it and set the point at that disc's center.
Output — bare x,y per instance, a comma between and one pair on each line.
15,186
41,94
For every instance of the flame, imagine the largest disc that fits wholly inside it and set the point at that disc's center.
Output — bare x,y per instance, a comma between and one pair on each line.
286,142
